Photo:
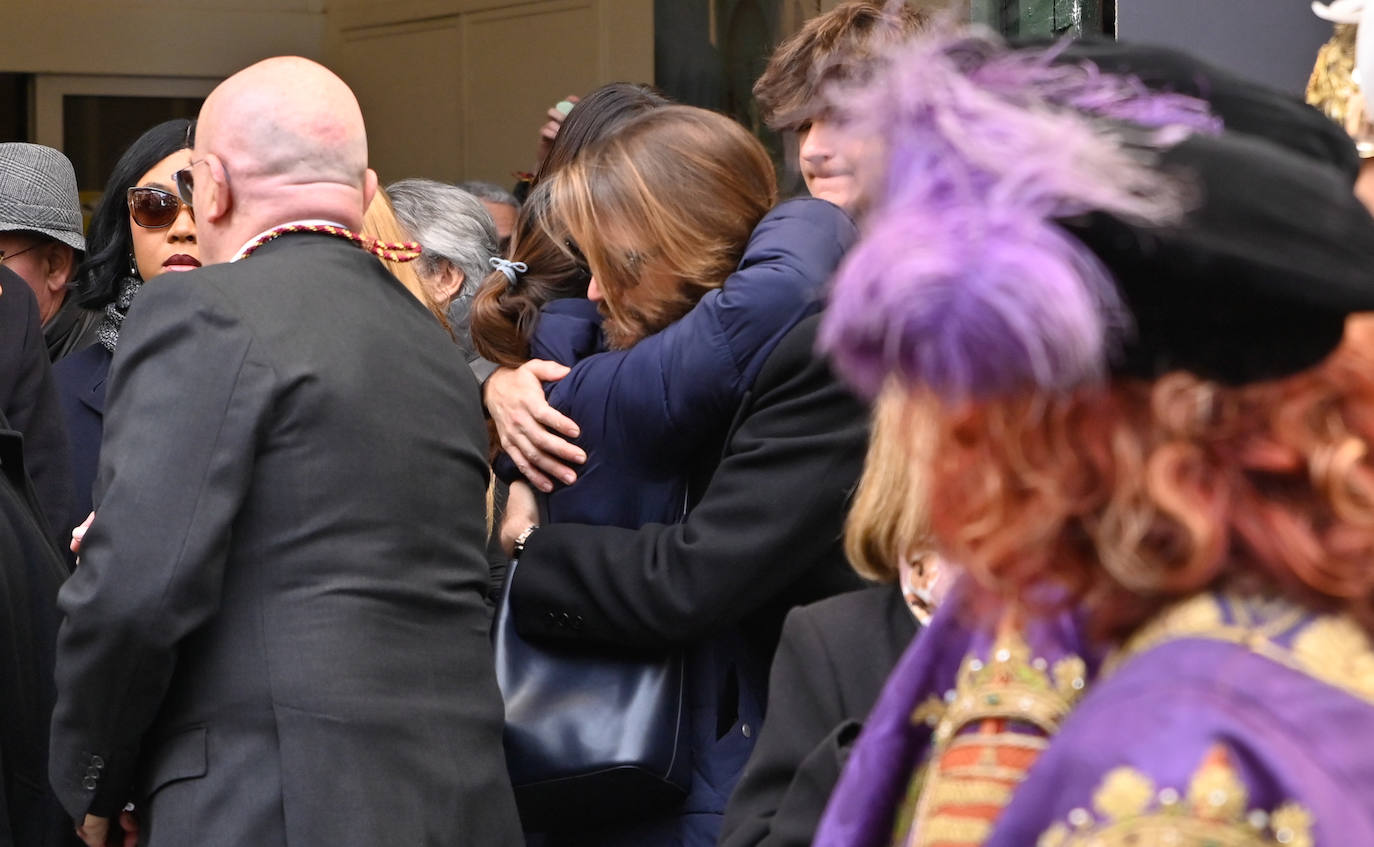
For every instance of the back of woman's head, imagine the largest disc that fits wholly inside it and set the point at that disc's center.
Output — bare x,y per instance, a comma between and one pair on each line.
109,245
542,268
662,211
595,117
380,222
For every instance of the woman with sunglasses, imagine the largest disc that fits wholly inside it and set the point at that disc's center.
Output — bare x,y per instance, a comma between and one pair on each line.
140,230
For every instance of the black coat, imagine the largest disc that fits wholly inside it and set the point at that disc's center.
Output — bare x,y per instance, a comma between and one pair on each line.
28,398
31,570
765,536
830,668
277,631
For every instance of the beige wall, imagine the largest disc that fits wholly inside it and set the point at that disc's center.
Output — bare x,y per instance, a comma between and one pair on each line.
452,89
457,89
176,38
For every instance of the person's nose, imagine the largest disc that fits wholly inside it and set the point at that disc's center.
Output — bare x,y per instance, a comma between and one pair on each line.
183,227
816,144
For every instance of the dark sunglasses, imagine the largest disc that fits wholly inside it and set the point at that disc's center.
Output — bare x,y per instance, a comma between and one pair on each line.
186,181
153,208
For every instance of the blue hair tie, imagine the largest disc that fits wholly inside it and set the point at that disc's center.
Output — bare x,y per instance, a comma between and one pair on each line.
509,268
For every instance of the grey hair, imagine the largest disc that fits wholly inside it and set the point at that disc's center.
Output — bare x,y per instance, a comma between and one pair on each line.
450,224
489,191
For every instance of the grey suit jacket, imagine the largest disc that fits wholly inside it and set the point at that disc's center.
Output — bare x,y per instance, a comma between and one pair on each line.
276,634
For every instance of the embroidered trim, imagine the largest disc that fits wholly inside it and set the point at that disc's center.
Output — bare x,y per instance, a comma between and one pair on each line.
1332,649
976,761
1214,810
1012,686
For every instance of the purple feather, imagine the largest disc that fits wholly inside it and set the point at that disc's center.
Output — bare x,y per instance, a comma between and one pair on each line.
963,281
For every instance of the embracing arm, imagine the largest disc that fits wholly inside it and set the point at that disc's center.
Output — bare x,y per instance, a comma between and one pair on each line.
675,390
187,395
773,511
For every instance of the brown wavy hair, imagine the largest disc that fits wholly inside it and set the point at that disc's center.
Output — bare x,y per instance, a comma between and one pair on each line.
1137,493
662,210
839,45
504,313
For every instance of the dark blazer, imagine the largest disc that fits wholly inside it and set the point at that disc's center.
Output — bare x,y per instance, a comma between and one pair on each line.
28,398
764,537
81,379
830,667
277,634
31,570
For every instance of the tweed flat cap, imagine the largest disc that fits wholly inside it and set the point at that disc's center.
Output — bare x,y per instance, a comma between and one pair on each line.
38,193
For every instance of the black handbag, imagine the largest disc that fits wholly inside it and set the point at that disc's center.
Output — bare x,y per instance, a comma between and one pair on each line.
592,738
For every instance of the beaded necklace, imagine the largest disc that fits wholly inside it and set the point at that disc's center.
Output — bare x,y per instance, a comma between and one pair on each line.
392,251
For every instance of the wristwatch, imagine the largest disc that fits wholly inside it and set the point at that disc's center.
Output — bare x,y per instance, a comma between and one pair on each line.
519,547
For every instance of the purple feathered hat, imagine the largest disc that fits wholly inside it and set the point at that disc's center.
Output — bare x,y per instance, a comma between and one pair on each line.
964,280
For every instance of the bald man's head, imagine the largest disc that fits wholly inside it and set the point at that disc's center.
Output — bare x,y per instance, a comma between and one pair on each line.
287,136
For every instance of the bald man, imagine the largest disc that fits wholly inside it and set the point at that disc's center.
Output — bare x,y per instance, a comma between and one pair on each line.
276,634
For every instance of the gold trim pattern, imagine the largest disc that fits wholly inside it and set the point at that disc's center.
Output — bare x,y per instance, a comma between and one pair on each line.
1332,649
973,774
1213,811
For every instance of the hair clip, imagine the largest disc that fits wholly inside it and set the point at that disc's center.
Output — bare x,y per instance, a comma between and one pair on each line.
509,268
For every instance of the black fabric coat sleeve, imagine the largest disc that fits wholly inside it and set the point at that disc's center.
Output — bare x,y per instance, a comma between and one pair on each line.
766,533
830,666
28,397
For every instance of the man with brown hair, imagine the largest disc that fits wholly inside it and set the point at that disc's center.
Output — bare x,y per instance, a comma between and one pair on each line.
829,48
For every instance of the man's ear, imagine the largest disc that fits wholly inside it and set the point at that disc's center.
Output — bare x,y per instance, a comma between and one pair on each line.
369,187
59,265
219,198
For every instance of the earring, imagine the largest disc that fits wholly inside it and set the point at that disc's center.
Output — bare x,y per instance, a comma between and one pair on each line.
133,265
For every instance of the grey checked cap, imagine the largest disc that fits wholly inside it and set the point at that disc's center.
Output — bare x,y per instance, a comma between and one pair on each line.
38,193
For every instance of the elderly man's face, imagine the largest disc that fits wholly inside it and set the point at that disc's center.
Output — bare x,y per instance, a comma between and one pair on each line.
44,263
504,218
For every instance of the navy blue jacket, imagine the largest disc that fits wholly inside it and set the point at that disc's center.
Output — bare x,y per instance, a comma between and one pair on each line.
651,415
653,419
81,392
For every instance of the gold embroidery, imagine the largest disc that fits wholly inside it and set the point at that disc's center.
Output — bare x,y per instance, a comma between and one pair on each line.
972,792
1329,648
976,763
1011,685
1124,792
930,712
1338,652
1292,826
1214,810
950,830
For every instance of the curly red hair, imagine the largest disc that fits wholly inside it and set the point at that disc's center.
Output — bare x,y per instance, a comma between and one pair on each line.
1135,493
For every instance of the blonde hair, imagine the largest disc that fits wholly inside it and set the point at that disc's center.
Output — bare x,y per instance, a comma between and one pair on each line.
684,185
380,222
888,520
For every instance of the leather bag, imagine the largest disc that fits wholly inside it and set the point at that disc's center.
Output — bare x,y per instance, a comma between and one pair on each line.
592,737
